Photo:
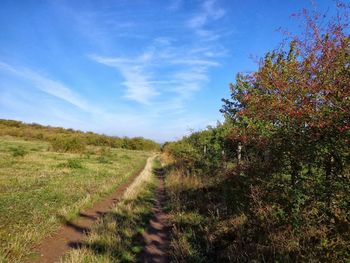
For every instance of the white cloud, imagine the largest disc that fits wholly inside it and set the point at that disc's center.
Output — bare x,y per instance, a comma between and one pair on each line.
210,12
183,83
163,77
195,62
143,81
186,73
137,82
19,102
47,85
175,5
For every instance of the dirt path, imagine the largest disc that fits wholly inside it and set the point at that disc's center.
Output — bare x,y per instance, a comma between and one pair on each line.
157,235
71,234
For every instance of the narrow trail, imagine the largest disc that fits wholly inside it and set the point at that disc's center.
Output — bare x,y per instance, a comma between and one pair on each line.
157,236
71,234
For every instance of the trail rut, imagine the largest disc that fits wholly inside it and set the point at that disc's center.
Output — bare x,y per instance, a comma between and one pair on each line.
70,235
157,236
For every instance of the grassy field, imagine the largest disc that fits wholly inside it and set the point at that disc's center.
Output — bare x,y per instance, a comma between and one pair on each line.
117,236
39,188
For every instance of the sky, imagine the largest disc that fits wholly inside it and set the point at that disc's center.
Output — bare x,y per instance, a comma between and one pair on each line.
151,68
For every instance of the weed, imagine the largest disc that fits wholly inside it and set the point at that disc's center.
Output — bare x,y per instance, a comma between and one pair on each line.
125,157
71,163
18,151
106,156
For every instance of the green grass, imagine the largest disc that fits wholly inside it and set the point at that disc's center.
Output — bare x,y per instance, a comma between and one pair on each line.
39,188
117,236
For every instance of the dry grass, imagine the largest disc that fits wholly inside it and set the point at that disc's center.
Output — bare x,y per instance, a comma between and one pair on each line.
182,243
228,219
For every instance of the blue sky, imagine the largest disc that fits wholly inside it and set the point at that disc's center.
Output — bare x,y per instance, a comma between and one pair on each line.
151,68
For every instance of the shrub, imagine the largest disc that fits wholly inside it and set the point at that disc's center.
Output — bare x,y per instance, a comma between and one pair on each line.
68,144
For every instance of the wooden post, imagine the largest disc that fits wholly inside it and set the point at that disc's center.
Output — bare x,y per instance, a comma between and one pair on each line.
267,156
239,153
223,160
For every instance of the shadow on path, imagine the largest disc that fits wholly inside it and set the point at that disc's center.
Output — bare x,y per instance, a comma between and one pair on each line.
71,234
156,238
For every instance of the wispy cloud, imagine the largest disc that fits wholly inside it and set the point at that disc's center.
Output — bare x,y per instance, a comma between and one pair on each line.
210,11
46,85
186,73
163,66
175,5
137,82
84,114
164,59
194,62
